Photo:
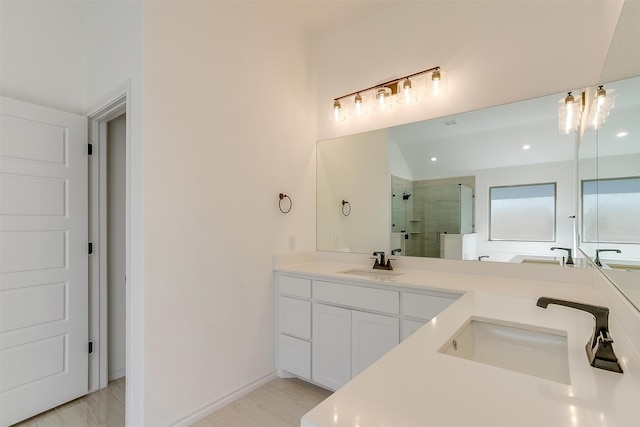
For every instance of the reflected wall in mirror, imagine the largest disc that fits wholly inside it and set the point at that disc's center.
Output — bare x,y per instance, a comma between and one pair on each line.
609,172
425,186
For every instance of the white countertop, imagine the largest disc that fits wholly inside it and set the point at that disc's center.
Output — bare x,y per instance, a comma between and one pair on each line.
415,385
451,282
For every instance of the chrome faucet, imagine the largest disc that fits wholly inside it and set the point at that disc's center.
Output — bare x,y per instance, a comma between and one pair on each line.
598,263
599,347
381,264
569,259
482,256
395,251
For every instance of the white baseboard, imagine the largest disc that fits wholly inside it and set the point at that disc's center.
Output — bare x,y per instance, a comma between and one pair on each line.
118,373
225,400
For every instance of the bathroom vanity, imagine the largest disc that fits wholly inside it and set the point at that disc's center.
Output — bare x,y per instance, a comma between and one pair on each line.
336,320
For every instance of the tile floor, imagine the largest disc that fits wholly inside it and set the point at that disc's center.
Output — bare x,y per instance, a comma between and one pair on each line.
280,402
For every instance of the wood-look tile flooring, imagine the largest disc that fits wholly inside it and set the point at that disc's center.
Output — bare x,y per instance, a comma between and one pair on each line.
279,403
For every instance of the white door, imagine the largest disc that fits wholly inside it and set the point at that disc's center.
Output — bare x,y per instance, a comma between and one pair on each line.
43,259
331,361
372,337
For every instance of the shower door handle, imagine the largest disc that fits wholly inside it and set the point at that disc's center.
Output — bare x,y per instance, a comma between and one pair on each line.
437,237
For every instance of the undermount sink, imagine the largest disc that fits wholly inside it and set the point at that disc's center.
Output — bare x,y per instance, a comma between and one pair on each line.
539,261
515,347
374,274
621,266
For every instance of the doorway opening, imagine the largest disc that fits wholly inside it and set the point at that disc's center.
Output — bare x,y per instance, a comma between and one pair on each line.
109,215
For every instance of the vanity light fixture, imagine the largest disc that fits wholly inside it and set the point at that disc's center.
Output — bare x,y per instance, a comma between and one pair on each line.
569,113
382,96
338,116
382,99
570,110
600,108
359,107
406,92
438,84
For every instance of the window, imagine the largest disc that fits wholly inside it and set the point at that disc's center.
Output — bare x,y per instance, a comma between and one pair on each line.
610,210
523,213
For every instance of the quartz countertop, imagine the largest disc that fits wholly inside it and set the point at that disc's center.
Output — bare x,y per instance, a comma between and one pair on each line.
450,282
415,385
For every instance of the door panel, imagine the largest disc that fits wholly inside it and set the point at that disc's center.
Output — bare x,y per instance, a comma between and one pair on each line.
43,259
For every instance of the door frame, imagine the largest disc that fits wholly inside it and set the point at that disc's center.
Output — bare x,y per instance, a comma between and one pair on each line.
98,295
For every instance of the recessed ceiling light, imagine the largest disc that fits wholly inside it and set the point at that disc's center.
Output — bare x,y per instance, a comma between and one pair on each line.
434,159
622,133
526,146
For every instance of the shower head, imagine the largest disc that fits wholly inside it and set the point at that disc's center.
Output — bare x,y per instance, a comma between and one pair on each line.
405,196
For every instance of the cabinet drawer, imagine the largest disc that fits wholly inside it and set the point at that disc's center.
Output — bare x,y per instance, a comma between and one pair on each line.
294,356
294,286
359,297
294,317
424,306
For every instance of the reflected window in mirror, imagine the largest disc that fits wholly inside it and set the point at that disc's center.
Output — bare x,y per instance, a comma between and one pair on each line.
523,212
610,210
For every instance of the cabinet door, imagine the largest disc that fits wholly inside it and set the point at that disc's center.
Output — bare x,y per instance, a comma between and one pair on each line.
409,327
331,348
372,336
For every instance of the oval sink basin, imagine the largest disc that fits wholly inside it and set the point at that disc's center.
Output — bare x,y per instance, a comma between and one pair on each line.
373,274
514,347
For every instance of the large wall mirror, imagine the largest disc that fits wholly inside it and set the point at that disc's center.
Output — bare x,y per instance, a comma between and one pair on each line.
495,184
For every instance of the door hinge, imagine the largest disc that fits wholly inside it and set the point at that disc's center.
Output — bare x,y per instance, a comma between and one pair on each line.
90,347
90,248
90,149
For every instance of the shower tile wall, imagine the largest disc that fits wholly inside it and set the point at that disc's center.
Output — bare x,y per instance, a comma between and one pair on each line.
433,206
437,205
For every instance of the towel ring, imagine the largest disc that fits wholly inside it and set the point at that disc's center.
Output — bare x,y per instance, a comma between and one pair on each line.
346,208
282,197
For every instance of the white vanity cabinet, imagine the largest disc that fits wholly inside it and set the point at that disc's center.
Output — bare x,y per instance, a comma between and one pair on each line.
329,331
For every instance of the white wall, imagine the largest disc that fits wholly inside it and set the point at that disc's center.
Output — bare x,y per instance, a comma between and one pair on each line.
495,52
229,123
355,169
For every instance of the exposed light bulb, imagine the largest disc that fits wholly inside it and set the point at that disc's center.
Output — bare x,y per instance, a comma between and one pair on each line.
569,112
382,98
600,108
436,85
359,108
406,92
337,111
